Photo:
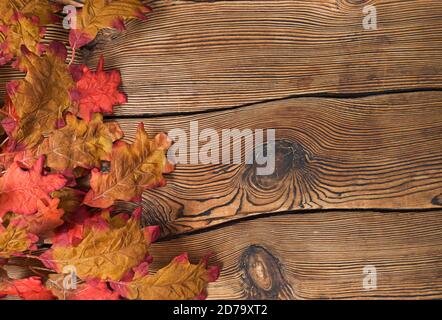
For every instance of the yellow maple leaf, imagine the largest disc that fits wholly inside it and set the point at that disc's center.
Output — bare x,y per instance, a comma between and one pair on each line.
100,14
42,96
104,254
134,168
180,280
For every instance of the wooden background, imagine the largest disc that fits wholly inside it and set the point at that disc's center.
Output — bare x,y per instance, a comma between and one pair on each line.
358,119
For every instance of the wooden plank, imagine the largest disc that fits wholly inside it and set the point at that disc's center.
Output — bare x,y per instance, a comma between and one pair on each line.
376,152
316,256
193,56
320,256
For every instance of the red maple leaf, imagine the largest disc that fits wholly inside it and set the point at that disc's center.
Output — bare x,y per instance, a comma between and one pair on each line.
96,91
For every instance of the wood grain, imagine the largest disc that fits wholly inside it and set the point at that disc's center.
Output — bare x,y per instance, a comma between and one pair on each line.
204,55
317,256
381,151
321,256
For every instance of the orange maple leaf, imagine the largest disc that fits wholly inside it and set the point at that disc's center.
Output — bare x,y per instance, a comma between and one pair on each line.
134,168
90,290
44,221
28,289
21,189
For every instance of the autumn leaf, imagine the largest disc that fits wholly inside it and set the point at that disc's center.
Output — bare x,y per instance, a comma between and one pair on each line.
70,200
42,223
102,254
134,168
97,91
180,280
78,144
28,289
77,227
14,240
100,14
90,290
40,98
40,10
21,31
21,189
21,24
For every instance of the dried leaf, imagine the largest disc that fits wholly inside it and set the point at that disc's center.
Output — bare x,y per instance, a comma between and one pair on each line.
180,280
97,91
134,168
100,14
21,189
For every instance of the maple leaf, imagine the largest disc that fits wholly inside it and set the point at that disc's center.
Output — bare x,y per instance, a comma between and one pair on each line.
134,168
14,240
41,10
70,200
100,14
21,24
21,189
78,226
28,289
21,31
97,91
90,290
180,280
40,99
103,254
78,144
42,223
